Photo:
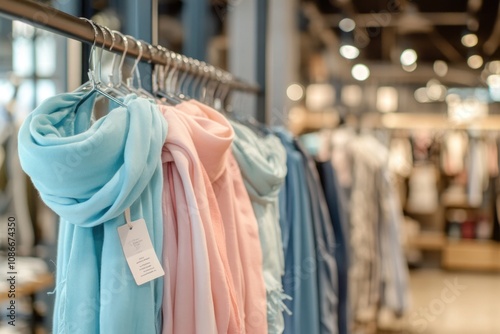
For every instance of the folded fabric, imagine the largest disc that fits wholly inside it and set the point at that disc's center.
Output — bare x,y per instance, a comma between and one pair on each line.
89,174
262,161
240,225
199,291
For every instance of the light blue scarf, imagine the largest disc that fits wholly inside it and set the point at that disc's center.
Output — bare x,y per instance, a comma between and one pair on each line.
262,161
89,174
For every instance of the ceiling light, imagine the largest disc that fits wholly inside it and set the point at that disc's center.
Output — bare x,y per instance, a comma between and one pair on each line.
410,68
440,68
387,99
349,51
408,57
469,40
435,91
347,24
475,61
295,92
319,97
494,66
421,95
493,81
360,72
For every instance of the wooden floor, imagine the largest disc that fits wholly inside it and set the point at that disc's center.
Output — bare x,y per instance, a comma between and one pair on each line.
445,302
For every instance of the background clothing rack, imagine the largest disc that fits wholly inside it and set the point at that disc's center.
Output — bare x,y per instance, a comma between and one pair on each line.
48,18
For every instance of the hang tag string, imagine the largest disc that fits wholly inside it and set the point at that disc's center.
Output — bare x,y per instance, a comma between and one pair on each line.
127,218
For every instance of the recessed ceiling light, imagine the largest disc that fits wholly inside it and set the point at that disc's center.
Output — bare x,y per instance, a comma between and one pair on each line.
408,57
475,61
349,51
347,24
440,68
469,40
360,72
295,92
421,95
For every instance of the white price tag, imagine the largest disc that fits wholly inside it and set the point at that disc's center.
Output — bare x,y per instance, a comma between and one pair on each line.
139,252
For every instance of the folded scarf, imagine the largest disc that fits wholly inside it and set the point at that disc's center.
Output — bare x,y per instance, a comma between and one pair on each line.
89,174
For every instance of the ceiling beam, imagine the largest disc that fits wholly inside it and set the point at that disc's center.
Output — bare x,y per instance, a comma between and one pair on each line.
491,45
387,73
387,19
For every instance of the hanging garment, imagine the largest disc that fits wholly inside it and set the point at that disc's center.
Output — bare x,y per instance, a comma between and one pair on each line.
336,208
262,161
400,157
240,224
377,274
301,276
89,174
341,159
477,177
199,291
423,197
453,152
325,248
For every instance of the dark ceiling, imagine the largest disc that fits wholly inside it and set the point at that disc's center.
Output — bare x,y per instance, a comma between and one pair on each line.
436,36
433,28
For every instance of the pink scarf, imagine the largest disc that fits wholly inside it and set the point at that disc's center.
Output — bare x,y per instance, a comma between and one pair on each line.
199,294
240,224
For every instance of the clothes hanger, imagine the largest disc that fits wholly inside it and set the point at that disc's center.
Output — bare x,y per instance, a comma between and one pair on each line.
135,74
195,78
121,87
200,88
179,85
115,77
164,79
138,73
94,86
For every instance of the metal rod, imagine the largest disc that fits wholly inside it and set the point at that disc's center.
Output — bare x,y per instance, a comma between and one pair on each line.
48,18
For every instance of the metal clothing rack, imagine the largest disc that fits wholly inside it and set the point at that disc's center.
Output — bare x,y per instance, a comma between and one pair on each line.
48,18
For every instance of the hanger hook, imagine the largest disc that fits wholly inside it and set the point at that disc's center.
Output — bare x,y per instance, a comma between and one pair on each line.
92,49
99,64
113,38
124,54
130,80
160,84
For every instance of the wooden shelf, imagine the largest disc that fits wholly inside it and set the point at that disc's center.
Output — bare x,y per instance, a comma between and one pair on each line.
480,255
429,241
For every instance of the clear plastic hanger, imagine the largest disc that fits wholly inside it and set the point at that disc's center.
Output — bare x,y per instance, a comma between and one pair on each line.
180,84
139,88
94,85
194,79
164,91
121,87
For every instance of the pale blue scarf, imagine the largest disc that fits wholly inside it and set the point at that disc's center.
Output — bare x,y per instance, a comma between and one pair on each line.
262,161
89,174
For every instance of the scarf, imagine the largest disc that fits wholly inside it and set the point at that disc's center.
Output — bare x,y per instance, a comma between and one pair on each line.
89,174
262,163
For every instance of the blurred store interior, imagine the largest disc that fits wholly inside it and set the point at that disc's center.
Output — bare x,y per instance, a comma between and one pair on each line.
417,82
